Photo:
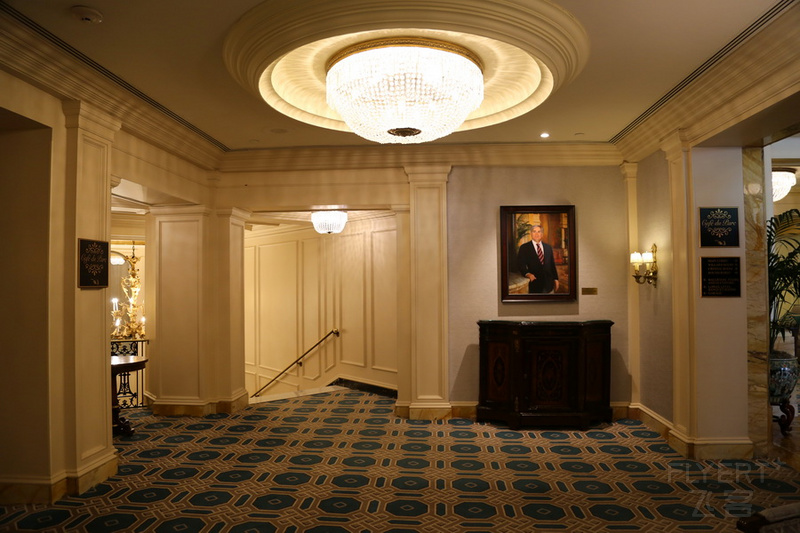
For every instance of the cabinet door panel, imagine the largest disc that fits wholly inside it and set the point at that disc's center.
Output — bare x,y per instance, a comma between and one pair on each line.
498,385
550,377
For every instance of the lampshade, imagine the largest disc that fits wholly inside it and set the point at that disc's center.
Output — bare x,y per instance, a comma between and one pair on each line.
329,221
404,90
783,179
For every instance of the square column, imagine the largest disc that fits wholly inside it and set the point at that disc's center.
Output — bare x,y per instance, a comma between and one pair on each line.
430,383
197,324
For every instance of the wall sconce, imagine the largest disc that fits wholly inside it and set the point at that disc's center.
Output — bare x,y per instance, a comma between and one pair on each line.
646,260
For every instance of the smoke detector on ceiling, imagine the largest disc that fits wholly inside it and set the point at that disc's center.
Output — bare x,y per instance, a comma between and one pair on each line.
86,14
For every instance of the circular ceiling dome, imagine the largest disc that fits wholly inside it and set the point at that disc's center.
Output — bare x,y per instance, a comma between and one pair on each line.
527,48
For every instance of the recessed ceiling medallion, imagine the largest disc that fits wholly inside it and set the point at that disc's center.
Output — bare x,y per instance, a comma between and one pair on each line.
526,48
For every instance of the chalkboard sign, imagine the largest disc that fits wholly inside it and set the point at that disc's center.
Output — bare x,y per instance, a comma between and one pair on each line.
719,226
92,264
720,276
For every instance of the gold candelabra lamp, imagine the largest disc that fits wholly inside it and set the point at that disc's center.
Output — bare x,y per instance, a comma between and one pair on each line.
128,317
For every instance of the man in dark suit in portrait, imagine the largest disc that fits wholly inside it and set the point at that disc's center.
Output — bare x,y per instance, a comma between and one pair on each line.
535,261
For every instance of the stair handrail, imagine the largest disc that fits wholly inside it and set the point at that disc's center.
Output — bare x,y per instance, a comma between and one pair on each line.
334,331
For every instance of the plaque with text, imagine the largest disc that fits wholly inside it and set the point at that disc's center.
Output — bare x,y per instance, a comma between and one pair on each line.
92,264
719,226
721,276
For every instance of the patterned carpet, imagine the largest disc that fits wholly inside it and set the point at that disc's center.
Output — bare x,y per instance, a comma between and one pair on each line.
342,462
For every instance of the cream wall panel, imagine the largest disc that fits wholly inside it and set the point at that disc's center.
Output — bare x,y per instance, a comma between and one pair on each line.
332,288
179,309
92,189
93,161
312,308
384,306
351,265
277,305
250,331
429,245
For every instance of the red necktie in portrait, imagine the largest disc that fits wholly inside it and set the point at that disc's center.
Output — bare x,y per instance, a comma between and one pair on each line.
540,252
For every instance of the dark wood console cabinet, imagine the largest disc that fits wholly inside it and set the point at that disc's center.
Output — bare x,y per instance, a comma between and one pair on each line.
545,374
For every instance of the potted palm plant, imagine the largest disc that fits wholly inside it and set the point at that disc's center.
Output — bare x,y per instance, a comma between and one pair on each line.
783,271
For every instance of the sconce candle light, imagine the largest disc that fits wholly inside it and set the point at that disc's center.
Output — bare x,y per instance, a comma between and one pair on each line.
645,268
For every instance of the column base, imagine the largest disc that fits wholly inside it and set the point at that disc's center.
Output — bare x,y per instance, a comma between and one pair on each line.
44,491
198,408
711,449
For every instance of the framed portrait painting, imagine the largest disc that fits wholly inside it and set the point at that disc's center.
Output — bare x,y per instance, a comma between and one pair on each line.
537,253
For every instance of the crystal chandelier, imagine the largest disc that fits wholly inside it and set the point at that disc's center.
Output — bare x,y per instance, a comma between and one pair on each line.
329,221
404,90
783,179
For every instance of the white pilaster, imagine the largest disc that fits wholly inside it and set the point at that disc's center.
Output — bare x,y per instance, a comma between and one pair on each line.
228,313
404,341
629,171
684,380
430,395
90,456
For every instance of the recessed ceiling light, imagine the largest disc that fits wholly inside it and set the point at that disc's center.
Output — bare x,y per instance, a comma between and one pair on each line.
544,135
87,14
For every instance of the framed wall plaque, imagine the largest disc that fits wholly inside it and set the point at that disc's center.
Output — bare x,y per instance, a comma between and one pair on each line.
92,264
720,276
719,226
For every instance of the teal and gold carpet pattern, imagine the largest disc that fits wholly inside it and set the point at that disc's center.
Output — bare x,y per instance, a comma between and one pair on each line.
342,462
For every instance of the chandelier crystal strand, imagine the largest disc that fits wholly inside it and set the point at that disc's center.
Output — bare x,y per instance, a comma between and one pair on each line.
404,93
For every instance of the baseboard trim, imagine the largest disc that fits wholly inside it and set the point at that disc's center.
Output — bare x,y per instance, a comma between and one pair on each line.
32,492
651,419
465,410
231,406
49,491
711,449
81,482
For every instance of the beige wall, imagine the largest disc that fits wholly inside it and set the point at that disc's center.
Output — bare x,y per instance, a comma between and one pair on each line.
474,199
721,324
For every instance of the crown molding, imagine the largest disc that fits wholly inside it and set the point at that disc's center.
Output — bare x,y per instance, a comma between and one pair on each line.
39,58
762,71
